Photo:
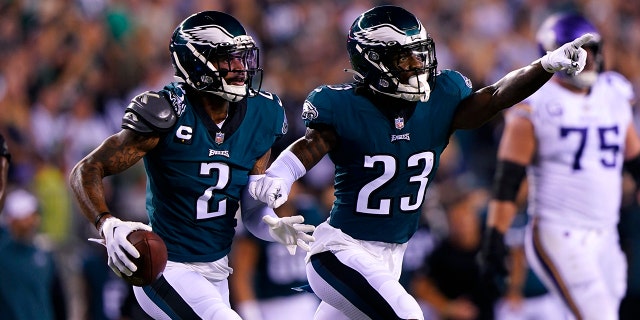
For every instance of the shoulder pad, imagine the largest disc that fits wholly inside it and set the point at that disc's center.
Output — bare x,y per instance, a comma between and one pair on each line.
149,112
619,83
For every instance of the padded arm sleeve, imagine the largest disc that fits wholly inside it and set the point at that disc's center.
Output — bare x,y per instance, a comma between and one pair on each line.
507,180
149,112
252,212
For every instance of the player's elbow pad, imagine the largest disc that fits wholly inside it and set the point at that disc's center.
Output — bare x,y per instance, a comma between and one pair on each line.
507,180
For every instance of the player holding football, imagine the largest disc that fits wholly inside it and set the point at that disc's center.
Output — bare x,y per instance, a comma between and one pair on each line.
202,140
385,134
570,139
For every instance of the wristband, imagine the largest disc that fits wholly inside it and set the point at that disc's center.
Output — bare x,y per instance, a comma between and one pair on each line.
96,222
287,166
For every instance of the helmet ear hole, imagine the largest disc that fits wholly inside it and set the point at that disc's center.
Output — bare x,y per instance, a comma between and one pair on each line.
373,56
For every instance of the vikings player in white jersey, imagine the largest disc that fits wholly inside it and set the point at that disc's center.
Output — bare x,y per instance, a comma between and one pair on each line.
571,139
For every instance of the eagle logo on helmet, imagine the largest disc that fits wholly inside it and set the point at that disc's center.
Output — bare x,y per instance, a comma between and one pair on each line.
386,34
209,35
378,35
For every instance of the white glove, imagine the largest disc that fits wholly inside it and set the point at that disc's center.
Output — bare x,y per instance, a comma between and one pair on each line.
570,56
290,232
115,232
272,191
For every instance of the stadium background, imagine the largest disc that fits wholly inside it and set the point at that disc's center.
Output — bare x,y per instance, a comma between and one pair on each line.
69,67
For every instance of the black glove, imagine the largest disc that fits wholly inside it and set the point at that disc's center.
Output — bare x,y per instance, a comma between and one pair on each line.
493,266
493,254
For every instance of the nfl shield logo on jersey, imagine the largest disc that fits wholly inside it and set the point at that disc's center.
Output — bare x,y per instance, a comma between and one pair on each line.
399,123
219,137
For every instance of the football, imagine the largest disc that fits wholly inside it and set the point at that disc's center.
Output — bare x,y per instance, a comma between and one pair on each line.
152,260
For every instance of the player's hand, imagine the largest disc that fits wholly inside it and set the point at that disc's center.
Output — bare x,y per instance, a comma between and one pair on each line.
290,232
570,56
493,254
115,232
270,190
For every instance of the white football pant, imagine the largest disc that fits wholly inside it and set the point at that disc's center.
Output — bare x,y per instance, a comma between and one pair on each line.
584,267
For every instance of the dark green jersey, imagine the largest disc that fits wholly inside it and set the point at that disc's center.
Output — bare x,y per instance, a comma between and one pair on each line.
196,174
384,165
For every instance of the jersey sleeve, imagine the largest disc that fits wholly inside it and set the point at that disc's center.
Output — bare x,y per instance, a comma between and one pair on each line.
282,124
620,84
317,108
456,81
274,109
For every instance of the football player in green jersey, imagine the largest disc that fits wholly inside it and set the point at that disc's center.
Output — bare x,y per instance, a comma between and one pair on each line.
202,140
385,134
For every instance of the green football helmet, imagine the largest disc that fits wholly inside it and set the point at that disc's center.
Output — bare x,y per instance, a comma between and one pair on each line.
381,36
208,37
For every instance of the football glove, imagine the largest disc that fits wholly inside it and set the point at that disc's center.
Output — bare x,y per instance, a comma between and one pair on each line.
114,232
570,56
493,254
270,190
290,232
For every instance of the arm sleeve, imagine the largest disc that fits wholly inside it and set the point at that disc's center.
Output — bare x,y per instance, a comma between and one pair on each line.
252,211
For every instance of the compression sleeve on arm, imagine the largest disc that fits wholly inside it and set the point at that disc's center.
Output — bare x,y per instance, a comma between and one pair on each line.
252,211
507,180
287,166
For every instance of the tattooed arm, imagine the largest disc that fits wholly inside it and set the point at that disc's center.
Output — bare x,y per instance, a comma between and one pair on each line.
316,143
116,154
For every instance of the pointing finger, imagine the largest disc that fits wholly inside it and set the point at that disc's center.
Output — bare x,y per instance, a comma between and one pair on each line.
577,43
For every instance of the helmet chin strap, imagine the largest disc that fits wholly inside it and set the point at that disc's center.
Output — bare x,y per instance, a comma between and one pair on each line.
409,92
231,93
417,89
417,84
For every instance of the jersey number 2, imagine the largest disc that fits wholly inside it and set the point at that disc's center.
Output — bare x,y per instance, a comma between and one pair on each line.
202,205
390,171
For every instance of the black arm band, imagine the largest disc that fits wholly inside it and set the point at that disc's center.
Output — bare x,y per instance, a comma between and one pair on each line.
633,167
96,222
507,180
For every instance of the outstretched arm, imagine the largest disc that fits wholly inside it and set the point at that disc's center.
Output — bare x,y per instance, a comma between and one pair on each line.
484,104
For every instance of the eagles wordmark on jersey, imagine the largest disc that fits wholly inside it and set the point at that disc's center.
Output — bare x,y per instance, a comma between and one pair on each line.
197,172
400,156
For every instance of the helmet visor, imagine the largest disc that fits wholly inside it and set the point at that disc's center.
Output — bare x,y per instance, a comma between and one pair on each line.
238,60
418,56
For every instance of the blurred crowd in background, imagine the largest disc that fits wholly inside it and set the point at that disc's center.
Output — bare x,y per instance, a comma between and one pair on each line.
68,69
